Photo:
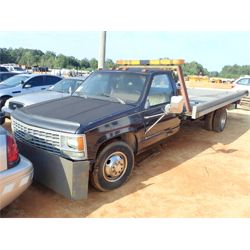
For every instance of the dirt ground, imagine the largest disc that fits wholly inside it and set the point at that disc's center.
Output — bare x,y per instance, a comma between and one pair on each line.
193,84
195,173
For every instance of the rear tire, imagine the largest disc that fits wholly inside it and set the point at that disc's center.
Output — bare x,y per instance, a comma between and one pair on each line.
208,124
113,166
220,120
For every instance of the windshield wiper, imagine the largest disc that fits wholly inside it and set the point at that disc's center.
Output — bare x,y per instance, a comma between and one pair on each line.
114,97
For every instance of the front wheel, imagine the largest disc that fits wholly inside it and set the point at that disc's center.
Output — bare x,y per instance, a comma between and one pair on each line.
113,166
2,101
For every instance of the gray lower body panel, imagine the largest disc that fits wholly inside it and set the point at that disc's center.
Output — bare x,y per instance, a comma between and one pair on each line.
71,179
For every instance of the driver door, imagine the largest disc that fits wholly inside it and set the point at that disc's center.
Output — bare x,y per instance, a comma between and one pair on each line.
159,96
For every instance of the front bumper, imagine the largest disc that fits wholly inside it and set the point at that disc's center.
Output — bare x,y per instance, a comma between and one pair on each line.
69,178
15,181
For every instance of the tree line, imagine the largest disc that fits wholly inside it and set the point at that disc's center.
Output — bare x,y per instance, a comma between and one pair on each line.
33,57
228,71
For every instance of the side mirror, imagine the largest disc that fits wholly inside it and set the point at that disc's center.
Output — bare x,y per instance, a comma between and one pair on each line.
176,105
22,82
27,86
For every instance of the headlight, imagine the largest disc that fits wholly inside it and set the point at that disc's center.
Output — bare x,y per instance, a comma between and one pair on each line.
74,146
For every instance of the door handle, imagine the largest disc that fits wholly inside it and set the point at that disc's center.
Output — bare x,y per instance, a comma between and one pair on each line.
16,92
43,88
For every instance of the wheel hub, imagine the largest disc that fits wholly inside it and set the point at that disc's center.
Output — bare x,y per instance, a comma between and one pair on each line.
114,167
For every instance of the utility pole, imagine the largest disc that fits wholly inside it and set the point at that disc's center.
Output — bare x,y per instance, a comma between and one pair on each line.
102,50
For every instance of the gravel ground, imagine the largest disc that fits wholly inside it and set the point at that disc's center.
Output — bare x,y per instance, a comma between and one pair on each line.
195,173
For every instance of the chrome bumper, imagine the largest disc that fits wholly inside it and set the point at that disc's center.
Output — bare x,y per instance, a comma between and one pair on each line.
15,181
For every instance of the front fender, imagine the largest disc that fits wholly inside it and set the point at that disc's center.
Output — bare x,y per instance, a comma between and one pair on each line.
110,130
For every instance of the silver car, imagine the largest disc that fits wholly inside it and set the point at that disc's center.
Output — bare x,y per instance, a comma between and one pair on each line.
61,89
242,83
16,172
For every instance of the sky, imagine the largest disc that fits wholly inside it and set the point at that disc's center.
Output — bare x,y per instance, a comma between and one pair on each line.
212,49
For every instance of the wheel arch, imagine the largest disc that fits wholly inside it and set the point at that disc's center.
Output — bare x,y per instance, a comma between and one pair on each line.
128,137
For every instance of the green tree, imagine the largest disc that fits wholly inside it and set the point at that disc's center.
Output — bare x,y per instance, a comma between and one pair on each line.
85,63
109,64
93,63
194,68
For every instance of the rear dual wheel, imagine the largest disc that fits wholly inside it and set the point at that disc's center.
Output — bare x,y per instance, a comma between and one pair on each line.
216,121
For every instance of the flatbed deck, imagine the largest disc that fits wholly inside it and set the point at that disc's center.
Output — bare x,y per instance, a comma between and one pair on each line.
204,101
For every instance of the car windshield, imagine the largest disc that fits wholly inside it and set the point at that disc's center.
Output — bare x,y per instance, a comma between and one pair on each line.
66,85
18,69
15,80
123,87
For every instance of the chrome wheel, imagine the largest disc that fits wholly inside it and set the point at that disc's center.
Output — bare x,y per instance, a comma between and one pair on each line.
115,166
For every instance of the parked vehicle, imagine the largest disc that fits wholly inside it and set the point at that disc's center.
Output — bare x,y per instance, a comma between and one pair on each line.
113,116
16,172
5,75
15,68
25,83
3,69
61,89
242,83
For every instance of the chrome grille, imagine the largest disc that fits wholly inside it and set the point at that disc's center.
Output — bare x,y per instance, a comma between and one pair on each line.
41,138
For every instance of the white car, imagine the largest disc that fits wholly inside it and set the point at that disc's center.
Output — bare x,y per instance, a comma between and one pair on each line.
242,83
25,83
14,69
61,89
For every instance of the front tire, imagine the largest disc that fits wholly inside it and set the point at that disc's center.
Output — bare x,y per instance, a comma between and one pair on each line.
2,101
113,166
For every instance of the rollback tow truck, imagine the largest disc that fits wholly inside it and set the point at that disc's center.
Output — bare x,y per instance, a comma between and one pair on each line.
116,114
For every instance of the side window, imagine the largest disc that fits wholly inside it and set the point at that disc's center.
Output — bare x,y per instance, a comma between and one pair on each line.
36,81
161,90
51,80
3,69
244,81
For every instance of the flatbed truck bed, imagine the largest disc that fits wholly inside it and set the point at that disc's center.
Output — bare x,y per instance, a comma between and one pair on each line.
204,101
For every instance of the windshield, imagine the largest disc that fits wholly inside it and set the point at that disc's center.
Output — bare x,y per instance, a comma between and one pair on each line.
18,69
120,87
15,80
66,85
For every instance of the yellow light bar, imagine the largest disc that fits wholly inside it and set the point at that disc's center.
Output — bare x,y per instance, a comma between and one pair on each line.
128,62
160,62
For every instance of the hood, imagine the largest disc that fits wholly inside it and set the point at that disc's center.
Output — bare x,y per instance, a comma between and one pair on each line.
3,86
33,98
79,110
